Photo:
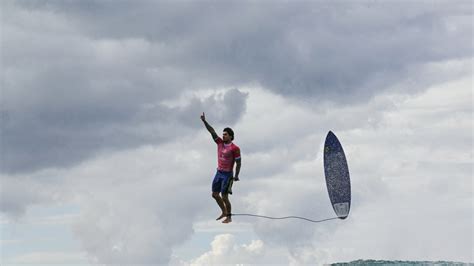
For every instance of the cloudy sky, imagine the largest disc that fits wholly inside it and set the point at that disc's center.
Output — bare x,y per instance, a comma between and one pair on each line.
104,159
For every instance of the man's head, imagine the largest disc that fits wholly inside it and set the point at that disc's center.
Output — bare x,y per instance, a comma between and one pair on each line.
228,134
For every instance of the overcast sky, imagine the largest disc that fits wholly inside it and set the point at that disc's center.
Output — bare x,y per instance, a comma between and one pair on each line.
104,158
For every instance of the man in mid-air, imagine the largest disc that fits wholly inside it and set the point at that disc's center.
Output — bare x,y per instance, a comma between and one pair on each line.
227,154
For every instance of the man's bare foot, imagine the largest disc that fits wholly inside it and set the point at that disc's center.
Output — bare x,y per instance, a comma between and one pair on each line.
220,217
227,220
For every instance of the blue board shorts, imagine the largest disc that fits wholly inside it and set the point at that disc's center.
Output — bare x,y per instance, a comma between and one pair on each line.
223,182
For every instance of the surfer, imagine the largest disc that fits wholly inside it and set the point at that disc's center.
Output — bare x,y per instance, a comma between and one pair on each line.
227,154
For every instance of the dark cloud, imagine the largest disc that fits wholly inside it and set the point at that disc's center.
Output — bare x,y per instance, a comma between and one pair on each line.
333,51
78,76
66,136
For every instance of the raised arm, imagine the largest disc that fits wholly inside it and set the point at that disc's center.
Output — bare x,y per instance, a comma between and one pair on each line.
209,128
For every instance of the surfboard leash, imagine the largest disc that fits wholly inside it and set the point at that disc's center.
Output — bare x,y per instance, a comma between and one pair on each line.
286,217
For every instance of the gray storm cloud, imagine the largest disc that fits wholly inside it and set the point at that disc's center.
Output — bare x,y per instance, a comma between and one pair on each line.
74,82
340,51
43,138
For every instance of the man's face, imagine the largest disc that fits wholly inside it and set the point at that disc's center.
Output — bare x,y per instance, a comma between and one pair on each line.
226,136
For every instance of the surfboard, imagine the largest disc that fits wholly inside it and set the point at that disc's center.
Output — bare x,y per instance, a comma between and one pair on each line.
337,176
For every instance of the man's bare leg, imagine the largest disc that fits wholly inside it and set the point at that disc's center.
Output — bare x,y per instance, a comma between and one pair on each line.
228,206
220,202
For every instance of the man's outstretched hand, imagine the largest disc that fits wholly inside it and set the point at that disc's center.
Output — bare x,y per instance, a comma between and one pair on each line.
203,117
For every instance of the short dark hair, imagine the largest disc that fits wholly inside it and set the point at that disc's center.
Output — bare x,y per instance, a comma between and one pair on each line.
230,132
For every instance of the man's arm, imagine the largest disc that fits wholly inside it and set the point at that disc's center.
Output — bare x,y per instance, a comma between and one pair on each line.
238,163
208,127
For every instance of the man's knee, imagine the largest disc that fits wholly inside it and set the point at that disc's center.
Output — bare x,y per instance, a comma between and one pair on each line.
225,196
215,195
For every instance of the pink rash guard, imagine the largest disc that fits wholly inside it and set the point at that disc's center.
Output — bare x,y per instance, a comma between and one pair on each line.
226,155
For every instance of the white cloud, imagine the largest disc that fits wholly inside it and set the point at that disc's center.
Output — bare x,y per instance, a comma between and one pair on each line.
137,205
224,250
